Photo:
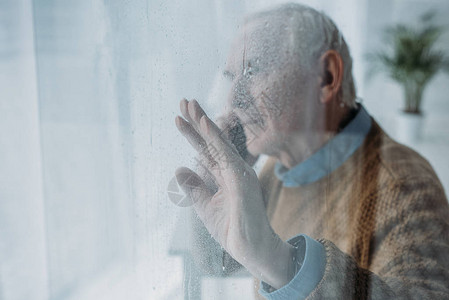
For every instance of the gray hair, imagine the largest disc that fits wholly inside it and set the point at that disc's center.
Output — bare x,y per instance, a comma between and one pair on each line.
314,34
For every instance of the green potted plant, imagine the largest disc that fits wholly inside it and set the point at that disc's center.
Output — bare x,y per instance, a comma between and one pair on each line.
411,59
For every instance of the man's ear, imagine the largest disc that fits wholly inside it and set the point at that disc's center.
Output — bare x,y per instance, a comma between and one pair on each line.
331,75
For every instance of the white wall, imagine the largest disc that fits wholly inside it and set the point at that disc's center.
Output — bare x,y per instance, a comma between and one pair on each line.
384,98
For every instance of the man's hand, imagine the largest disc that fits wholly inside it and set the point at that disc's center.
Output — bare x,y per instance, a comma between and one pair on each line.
233,212
232,130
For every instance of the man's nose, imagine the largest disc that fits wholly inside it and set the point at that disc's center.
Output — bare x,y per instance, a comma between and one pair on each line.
240,95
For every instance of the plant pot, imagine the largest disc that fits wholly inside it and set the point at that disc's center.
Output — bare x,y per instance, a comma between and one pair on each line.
409,128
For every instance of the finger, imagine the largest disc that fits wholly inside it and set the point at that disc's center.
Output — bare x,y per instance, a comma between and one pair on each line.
206,161
192,136
184,106
227,118
191,111
210,172
223,152
195,111
226,122
231,125
194,187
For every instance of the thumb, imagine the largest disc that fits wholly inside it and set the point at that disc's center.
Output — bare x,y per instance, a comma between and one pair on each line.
193,186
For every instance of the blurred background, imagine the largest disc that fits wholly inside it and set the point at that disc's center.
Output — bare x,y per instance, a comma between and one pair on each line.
88,95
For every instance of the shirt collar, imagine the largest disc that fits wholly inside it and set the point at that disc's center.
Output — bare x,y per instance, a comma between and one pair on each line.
329,157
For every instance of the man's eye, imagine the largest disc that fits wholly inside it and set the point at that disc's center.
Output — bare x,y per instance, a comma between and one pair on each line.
250,70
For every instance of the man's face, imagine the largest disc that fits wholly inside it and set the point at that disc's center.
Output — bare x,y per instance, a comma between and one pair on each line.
273,97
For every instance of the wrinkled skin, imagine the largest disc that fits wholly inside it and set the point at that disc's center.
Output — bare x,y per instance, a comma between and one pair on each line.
234,213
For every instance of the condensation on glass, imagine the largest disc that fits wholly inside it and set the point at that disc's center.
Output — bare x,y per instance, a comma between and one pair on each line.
91,208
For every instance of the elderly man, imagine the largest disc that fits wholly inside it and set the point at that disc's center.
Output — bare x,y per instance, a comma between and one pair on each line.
340,210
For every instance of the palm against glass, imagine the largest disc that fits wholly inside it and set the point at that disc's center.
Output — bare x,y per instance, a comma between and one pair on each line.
233,213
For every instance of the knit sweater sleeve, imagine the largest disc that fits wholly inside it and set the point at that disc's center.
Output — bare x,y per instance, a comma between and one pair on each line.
409,249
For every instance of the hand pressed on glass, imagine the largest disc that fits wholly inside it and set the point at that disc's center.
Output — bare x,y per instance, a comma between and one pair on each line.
234,212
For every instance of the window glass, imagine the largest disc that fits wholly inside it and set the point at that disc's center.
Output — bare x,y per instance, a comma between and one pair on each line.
314,152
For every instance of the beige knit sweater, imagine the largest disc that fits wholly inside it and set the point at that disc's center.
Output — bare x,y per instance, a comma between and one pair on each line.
382,217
